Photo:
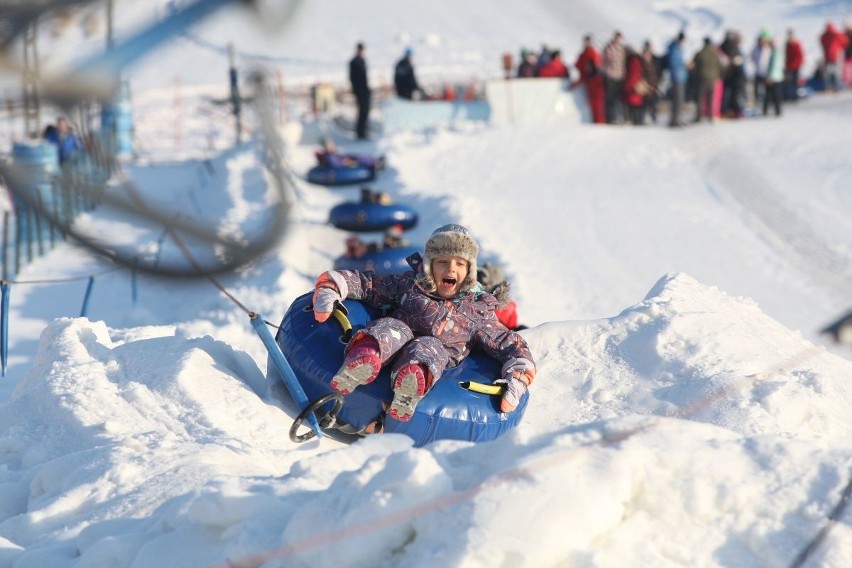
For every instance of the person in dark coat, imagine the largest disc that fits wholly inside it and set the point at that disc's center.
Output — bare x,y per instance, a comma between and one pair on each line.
708,71
404,79
652,65
361,90
734,79
526,69
437,313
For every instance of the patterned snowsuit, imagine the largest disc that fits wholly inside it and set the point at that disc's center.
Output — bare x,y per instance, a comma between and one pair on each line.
426,329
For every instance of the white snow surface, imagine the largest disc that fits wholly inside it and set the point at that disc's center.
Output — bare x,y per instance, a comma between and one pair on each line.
687,411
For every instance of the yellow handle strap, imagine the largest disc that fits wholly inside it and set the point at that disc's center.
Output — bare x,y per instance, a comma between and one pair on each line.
482,387
341,318
341,314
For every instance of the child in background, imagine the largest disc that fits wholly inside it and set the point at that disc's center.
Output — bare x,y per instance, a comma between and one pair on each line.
494,282
438,312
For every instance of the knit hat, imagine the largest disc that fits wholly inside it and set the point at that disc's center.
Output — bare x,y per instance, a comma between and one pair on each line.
452,240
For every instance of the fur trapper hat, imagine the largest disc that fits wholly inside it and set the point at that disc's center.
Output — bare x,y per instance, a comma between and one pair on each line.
451,240
494,282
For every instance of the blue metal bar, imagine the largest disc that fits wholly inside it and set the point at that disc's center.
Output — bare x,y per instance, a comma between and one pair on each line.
287,374
85,307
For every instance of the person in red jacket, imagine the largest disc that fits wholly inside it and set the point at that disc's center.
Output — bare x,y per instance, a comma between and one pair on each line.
794,57
635,87
834,43
847,66
555,67
588,64
493,281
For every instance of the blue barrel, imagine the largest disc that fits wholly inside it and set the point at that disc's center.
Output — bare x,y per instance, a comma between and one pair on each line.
38,161
117,122
38,157
38,164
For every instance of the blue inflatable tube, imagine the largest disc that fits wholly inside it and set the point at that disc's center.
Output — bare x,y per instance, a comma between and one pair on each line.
340,175
385,261
366,217
447,412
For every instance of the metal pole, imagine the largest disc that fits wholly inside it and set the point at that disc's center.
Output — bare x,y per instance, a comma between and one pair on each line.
4,324
282,98
236,101
5,245
109,36
54,210
85,307
133,284
19,235
32,107
29,235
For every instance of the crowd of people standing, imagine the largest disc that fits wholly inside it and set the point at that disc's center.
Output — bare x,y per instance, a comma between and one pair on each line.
626,85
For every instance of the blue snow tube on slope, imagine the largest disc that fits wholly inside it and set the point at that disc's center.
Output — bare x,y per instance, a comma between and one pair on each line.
366,217
385,261
342,175
447,412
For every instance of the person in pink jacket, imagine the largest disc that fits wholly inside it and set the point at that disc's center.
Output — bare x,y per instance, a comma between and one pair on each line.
437,313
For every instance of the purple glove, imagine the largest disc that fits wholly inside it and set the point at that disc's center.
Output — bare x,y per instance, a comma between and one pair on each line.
514,389
517,375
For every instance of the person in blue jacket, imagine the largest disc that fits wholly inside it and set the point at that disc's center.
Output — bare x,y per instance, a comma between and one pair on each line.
678,73
65,139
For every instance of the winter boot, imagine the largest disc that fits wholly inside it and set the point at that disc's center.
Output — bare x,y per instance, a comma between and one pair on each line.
360,367
409,386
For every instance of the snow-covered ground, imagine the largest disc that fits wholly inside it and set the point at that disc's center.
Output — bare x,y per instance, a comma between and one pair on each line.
687,411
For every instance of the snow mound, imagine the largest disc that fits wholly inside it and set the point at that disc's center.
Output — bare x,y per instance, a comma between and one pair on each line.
109,424
691,351
120,444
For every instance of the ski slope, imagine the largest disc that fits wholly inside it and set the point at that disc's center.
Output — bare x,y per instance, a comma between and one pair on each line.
687,411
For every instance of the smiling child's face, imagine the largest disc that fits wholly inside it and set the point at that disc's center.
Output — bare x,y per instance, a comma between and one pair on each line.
449,272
